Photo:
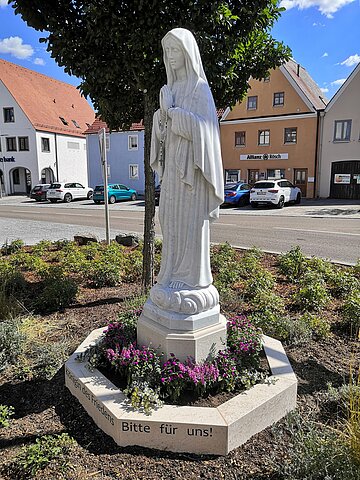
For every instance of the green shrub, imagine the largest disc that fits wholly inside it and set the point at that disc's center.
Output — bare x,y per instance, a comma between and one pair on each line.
320,266
351,311
266,301
101,273
14,246
39,455
316,452
261,280
142,397
318,325
293,264
57,293
250,262
133,266
91,250
5,413
312,294
272,324
221,255
41,247
11,342
343,283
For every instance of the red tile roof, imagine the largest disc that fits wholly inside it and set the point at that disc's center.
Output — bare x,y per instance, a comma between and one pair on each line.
306,84
99,124
44,100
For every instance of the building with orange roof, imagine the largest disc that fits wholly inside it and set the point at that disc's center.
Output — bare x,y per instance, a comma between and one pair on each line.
274,131
42,124
125,155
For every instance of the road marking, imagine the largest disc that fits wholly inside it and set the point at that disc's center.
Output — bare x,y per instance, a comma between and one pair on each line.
316,231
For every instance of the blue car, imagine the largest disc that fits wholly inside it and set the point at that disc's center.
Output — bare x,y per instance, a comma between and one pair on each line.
237,194
116,192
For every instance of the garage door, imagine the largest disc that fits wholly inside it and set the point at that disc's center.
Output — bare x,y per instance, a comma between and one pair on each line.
345,180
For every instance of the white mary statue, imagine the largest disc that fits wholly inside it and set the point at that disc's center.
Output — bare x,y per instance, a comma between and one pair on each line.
186,154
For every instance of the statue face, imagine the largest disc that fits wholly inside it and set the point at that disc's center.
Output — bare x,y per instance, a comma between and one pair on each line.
175,54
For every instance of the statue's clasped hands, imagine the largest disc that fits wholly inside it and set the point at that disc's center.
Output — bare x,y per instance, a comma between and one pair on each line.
166,101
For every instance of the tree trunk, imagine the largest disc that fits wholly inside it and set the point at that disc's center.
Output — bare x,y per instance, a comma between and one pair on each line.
149,220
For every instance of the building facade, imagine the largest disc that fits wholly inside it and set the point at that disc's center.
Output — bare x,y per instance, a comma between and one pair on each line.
125,156
42,124
339,161
273,132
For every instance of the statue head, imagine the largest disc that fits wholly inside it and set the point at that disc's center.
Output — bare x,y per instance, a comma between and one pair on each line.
181,51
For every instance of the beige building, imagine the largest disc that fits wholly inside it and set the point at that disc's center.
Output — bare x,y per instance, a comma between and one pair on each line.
339,160
273,132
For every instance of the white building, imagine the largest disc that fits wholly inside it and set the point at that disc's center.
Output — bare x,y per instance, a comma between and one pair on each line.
339,160
42,121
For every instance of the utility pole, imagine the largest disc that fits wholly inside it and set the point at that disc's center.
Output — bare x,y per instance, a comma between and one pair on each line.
103,158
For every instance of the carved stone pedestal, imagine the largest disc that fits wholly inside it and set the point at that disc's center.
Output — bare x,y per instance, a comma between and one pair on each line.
199,335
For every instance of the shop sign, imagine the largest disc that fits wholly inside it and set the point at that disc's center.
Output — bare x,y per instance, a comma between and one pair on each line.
342,178
265,156
7,159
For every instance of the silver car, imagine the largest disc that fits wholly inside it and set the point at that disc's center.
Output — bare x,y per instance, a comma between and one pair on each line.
66,192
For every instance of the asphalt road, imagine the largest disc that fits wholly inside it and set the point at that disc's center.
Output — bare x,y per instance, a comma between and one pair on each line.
326,231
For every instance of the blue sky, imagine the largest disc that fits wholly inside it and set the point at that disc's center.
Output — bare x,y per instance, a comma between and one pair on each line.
324,36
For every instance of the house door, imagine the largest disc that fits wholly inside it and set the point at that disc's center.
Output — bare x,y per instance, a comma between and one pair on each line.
300,180
253,176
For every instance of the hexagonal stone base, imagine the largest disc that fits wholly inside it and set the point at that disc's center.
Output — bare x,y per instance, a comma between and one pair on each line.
200,430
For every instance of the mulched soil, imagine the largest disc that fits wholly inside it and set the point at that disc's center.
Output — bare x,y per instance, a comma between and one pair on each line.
47,407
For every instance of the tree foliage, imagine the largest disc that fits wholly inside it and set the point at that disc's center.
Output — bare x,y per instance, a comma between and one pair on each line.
114,47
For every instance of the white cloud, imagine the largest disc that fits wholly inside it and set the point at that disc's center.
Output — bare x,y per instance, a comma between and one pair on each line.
351,61
325,54
326,7
318,24
14,46
324,90
39,61
337,83
3,3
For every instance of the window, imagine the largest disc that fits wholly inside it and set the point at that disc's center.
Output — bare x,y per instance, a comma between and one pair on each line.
342,130
11,144
45,144
73,145
239,139
16,177
290,135
264,137
64,121
232,176
75,123
274,173
9,116
23,144
278,99
252,103
133,172
132,142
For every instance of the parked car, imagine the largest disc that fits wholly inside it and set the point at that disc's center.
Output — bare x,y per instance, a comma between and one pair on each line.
39,192
116,192
236,194
157,194
274,192
66,192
